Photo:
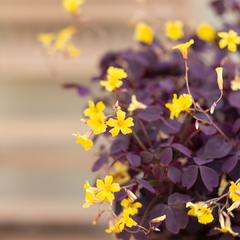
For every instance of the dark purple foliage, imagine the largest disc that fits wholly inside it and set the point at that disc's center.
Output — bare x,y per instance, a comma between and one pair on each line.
152,113
182,149
146,185
100,162
229,163
176,219
209,177
174,174
133,159
189,176
178,198
166,156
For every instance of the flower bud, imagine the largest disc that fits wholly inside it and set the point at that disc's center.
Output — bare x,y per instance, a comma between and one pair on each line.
84,120
212,109
131,195
219,71
158,219
156,229
234,206
115,106
197,125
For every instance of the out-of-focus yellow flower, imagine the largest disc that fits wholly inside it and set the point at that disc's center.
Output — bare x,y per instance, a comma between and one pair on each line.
194,207
84,141
128,203
92,110
72,6
234,206
97,123
112,227
219,71
234,191
183,47
235,84
125,220
229,39
120,124
178,105
106,189
120,173
206,32
63,37
143,33
135,105
174,30
204,215
225,225
113,78
46,38
71,50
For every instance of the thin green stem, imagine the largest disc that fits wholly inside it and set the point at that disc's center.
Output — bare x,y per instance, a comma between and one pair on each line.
145,132
139,141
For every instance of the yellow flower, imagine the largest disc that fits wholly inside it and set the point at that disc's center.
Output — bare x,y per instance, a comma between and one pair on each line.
178,105
120,124
128,203
204,215
206,32
174,30
235,84
135,105
63,37
90,188
97,123
234,206
229,39
72,6
225,226
92,110
120,173
143,33
194,207
106,189
183,48
233,189
46,38
118,73
112,227
125,220
71,50
87,143
219,71
113,76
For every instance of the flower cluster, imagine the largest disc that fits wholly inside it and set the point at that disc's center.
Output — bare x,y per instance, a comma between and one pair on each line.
175,119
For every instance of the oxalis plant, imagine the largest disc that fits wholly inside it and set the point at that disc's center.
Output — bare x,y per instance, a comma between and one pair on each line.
173,119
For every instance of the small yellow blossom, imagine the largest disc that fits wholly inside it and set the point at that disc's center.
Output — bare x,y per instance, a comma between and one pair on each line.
112,227
183,48
72,6
106,189
204,215
219,71
128,203
84,140
120,173
174,30
143,33
71,50
206,32
46,38
234,206
178,105
120,124
113,78
97,123
229,39
233,189
118,73
235,84
225,225
63,37
94,109
125,220
135,105
194,207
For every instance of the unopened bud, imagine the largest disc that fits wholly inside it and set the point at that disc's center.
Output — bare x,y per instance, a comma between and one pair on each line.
197,125
156,229
115,106
234,206
197,105
212,109
131,195
219,71
84,120
158,219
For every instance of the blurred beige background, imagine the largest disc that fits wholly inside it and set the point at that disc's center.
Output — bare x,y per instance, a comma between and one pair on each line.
42,170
